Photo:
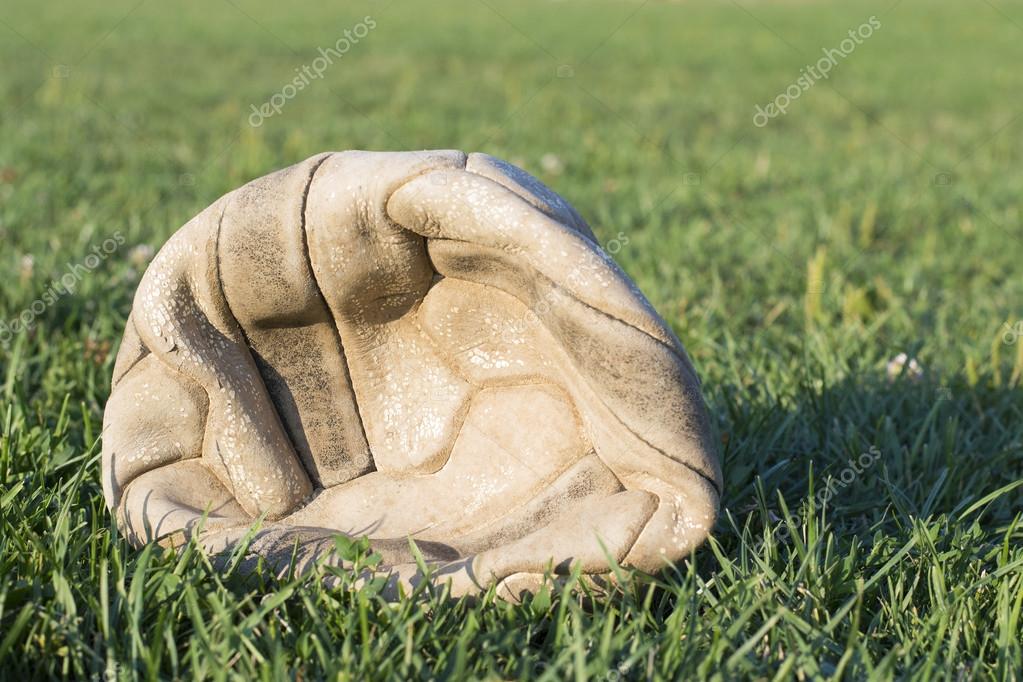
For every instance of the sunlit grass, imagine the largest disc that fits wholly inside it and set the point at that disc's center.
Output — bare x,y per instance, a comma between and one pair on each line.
880,216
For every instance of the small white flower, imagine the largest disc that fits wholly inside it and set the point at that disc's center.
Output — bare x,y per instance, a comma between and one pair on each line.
28,264
913,370
140,254
552,164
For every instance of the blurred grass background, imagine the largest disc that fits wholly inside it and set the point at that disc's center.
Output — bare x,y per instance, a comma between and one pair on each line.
879,216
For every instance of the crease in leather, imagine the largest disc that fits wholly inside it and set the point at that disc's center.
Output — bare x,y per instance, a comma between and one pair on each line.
142,356
323,299
543,489
248,349
684,361
521,252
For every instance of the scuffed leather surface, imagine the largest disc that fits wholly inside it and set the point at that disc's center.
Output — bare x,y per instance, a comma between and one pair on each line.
413,344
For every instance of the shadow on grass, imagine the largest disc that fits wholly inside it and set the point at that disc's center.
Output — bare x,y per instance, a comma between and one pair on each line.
871,453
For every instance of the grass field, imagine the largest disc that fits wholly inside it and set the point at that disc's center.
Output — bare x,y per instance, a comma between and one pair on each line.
871,526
